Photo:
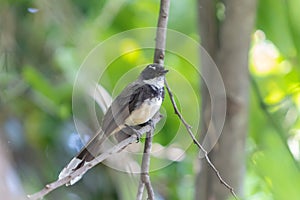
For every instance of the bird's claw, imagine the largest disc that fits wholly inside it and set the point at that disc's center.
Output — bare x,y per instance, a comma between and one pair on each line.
136,132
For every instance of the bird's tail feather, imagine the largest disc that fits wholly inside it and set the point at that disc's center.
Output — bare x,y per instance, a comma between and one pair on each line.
69,169
86,155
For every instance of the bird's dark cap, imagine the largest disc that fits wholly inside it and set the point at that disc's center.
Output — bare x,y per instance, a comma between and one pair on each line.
152,71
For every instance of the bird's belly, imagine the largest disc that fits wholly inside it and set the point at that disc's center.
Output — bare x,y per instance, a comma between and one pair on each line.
144,112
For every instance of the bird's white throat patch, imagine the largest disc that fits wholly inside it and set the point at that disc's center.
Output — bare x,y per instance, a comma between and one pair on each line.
158,82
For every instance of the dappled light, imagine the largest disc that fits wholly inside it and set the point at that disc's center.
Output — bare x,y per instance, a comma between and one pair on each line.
63,62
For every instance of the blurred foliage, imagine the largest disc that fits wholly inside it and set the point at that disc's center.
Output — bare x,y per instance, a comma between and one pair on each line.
43,44
273,166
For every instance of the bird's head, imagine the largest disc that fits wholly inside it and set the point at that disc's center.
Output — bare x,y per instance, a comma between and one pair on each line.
154,74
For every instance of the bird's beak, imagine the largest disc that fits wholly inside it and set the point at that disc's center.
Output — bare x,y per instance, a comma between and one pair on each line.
165,71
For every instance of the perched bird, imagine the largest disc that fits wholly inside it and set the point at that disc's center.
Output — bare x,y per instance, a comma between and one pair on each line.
134,106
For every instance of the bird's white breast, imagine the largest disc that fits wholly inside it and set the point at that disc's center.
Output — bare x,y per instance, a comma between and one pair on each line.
144,112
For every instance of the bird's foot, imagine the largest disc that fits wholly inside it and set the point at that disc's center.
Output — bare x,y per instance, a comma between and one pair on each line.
136,132
151,124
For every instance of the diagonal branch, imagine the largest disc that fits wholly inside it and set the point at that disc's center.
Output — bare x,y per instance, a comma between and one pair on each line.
56,184
189,130
81,171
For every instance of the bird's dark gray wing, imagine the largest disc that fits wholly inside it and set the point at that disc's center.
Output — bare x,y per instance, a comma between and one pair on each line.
113,118
119,109
129,99
142,93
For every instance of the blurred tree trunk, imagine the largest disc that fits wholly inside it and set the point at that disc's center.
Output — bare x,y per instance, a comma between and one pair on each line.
225,29
10,185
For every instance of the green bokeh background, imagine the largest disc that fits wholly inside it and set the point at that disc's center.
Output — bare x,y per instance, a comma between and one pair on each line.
41,51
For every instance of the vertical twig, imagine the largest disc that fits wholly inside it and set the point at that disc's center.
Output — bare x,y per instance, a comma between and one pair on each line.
159,55
140,191
145,179
161,32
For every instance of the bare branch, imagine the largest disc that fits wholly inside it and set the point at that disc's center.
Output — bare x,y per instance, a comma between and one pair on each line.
145,179
159,56
161,32
189,130
54,185
115,149
140,191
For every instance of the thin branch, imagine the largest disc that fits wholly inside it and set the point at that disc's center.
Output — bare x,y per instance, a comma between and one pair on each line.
189,130
159,56
54,185
145,179
140,191
161,32
81,171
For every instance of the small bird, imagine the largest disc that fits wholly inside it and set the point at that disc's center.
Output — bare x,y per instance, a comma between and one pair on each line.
135,105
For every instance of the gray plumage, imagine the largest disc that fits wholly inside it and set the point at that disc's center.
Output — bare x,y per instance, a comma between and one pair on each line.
135,105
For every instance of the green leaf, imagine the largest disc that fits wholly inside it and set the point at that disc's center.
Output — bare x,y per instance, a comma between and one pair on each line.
39,83
272,18
278,170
